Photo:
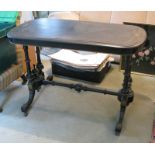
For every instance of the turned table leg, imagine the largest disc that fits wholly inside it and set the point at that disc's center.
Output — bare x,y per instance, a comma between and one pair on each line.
39,63
126,94
35,78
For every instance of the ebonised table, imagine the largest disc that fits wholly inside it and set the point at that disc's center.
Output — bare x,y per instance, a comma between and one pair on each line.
89,36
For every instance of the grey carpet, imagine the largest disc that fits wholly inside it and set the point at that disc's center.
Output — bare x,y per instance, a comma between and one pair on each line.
63,115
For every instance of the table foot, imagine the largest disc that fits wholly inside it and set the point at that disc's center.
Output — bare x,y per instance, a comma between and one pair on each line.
50,77
26,107
118,129
35,77
24,79
1,109
119,125
126,95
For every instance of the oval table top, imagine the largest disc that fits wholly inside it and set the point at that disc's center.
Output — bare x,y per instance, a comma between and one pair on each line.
80,35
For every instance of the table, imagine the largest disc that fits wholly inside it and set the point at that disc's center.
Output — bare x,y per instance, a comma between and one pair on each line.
79,35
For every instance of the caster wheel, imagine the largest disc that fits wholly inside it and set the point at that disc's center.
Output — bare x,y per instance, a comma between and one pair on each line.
118,129
50,77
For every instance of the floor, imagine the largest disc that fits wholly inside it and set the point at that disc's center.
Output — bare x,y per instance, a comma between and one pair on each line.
63,115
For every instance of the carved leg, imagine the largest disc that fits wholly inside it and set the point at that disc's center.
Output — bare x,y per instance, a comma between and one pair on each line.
25,108
127,94
121,116
30,77
39,63
24,79
35,78
27,60
130,93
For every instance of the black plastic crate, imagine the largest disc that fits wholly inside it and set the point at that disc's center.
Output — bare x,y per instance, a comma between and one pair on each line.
87,75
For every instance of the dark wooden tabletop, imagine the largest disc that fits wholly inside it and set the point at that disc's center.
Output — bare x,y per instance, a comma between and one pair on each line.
80,35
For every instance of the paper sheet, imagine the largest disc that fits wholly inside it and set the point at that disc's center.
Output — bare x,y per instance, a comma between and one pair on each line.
76,59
